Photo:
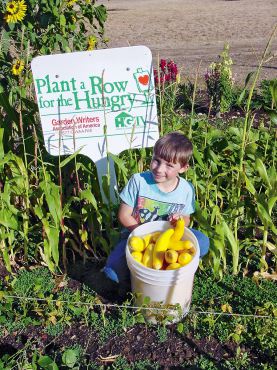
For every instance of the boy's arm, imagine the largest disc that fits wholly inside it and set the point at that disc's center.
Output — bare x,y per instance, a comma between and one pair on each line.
125,217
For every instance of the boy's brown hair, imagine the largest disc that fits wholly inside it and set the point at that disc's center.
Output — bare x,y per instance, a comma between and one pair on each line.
174,147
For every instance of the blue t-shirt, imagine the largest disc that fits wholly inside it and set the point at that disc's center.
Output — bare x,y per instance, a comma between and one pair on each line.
152,204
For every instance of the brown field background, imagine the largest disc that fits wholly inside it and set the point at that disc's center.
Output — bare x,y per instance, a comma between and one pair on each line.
193,32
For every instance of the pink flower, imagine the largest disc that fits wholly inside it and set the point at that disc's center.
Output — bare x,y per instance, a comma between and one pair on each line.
163,65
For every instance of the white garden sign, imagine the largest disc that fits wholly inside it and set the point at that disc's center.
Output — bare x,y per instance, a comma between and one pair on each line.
94,100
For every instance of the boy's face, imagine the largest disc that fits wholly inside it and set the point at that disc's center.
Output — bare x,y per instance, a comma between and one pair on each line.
166,172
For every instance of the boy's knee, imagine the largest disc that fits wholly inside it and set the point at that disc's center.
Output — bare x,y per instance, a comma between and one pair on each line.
203,241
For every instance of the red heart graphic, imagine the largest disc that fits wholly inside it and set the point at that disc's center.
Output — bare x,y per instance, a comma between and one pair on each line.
143,79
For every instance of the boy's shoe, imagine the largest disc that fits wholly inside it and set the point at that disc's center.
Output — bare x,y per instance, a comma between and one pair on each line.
110,274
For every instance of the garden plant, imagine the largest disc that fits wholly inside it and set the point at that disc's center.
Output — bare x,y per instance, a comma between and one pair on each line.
52,215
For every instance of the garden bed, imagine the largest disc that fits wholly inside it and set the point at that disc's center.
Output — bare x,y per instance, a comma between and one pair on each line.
231,325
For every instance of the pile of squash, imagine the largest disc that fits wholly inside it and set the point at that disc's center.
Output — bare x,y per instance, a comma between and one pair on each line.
163,250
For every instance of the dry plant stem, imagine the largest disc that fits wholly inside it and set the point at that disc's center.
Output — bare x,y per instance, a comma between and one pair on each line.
106,142
35,156
61,203
75,161
160,96
247,126
26,200
193,100
274,149
78,187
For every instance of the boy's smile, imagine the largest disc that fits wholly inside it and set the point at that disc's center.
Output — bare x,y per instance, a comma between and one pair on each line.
166,173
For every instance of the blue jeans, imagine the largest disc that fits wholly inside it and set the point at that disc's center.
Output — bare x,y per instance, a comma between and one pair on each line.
116,267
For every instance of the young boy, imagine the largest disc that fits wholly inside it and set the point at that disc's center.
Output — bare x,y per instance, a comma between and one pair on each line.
158,194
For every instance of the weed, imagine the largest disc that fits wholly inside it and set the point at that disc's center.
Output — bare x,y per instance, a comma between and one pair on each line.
185,95
162,333
145,365
244,295
106,326
38,282
204,363
240,362
266,97
54,330
121,363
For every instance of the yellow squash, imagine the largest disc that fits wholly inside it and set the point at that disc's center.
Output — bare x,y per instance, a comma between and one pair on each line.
158,260
178,230
147,258
184,258
173,266
160,248
137,256
180,245
163,240
137,244
171,256
147,238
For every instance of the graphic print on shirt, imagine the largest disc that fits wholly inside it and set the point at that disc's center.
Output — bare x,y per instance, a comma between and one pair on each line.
152,210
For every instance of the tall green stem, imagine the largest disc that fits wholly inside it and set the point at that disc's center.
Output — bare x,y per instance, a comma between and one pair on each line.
247,127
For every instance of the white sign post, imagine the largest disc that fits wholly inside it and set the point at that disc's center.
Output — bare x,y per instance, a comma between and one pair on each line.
96,100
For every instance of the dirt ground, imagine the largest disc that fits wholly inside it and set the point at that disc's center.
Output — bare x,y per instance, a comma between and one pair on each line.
194,31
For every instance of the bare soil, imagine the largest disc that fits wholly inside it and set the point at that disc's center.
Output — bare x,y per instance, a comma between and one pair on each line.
193,32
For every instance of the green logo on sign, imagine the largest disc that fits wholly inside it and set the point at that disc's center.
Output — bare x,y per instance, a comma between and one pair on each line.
127,120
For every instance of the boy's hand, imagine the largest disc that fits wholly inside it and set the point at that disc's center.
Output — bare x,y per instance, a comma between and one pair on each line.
175,216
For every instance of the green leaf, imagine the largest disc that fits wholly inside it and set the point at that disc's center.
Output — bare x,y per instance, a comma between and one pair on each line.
11,112
1,143
241,97
234,246
8,220
87,195
55,11
146,300
273,91
180,327
47,363
264,215
68,159
101,14
248,184
120,164
198,158
248,77
62,20
219,243
6,259
271,201
46,255
199,216
52,196
53,236
70,357
272,115
262,172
